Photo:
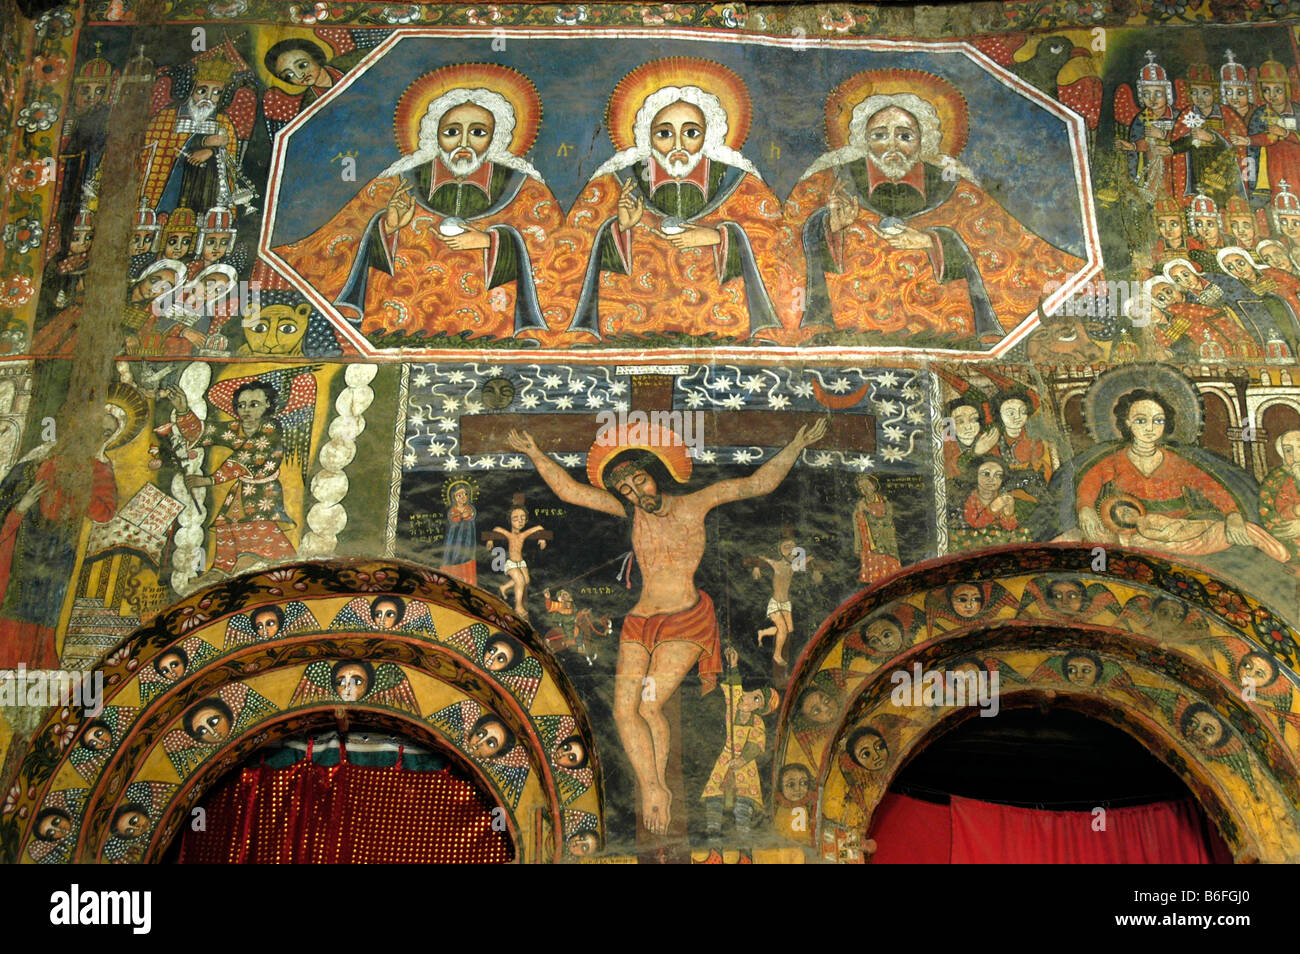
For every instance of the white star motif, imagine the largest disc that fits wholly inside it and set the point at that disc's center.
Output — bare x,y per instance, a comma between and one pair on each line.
863,462
722,384
620,405
564,402
706,456
892,454
779,401
733,402
493,372
529,400
618,387
437,450
551,381
893,432
455,377
417,419
595,399
570,460
449,404
446,423
886,408
694,399
911,393
753,383
823,459
409,460
743,456
838,386
421,378
802,389
576,385
514,463
888,380
914,416
452,464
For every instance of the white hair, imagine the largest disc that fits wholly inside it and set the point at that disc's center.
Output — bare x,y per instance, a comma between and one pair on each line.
715,130
503,130
927,119
1223,253
1175,262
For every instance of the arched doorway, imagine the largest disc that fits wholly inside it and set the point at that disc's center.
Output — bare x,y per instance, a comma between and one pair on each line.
1165,644
298,649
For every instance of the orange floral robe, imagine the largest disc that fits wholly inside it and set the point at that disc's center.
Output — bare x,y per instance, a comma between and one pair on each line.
411,282
636,283
856,281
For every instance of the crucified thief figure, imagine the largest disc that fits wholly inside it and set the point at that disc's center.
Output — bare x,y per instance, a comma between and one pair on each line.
516,568
672,625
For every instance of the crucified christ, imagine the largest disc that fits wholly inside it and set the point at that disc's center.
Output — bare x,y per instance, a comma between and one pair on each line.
672,626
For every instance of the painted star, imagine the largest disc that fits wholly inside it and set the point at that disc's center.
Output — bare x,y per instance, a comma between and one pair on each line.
743,455
529,400
455,377
733,402
694,399
892,454
838,386
779,401
888,380
449,404
595,399
802,389
863,462
421,378
446,423
570,460
472,407
893,432
753,383
564,402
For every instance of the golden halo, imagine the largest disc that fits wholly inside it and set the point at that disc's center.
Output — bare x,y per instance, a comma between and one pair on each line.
469,483
662,442
954,116
134,406
648,78
513,85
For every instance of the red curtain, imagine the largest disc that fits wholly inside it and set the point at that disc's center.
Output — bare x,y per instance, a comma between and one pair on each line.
909,831
347,814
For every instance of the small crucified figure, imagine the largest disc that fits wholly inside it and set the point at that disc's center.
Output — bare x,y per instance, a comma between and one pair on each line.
779,607
516,569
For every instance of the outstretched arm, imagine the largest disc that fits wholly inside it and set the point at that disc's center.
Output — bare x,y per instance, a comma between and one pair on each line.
564,486
768,477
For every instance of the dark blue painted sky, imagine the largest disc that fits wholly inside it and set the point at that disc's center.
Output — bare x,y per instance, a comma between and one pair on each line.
1019,152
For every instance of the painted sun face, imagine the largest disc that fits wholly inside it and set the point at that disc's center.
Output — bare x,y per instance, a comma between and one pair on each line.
210,725
677,134
1081,671
871,752
351,683
487,741
967,600
497,393
465,133
1146,420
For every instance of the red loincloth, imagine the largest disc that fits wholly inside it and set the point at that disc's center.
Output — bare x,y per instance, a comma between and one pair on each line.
697,625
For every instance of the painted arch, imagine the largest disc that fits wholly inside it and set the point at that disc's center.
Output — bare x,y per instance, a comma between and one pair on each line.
261,653
1156,648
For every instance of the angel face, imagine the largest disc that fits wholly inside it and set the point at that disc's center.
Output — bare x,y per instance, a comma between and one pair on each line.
883,636
816,706
966,600
582,844
870,751
130,822
1255,670
571,753
1066,596
386,613
267,622
299,69
179,245
1242,228
1081,670
209,725
53,825
251,407
498,655
97,737
170,665
1202,728
794,783
487,739
1237,96
351,682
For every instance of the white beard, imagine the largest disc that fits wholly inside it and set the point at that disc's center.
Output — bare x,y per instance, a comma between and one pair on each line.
678,170
893,169
461,167
201,114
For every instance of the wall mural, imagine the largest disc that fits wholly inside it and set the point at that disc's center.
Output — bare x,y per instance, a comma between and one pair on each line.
669,365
